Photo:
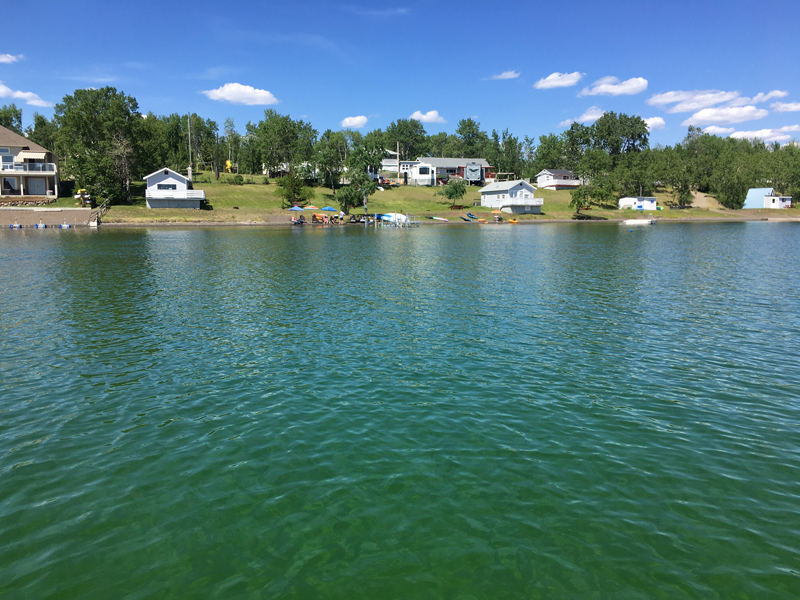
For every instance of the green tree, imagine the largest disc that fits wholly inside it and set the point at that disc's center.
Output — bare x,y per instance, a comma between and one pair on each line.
411,135
98,134
331,149
11,118
42,132
293,190
454,190
359,163
472,141
284,142
549,154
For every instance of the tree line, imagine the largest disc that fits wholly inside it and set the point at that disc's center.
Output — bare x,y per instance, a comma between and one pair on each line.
104,142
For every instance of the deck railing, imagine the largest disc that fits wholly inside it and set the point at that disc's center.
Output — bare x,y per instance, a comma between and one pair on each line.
28,167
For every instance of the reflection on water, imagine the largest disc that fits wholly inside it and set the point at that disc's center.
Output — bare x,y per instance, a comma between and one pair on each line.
455,411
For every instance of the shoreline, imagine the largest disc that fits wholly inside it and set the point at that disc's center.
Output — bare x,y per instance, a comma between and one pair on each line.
725,219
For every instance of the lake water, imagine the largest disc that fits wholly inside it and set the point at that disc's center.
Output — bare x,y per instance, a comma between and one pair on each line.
465,412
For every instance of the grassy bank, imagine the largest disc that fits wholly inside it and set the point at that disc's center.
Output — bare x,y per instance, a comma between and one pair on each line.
259,203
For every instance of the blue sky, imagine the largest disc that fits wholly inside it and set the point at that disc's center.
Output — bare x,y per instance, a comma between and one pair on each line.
531,67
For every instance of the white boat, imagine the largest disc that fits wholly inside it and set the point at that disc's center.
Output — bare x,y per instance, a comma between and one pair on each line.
640,222
394,218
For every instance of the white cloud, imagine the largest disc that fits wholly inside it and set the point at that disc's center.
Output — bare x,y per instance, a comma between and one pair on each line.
354,122
236,93
29,97
725,115
558,80
782,134
9,58
432,116
590,116
692,101
506,75
786,107
655,123
611,86
715,130
758,98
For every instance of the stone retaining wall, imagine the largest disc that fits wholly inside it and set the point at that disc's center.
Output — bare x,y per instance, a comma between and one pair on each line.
27,201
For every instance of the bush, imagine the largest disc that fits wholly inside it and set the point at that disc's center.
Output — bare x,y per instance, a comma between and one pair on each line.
238,180
266,181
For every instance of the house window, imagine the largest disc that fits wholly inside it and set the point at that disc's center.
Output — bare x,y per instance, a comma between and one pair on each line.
424,171
5,151
167,186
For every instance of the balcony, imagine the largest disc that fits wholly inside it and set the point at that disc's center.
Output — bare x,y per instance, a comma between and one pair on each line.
28,168
175,195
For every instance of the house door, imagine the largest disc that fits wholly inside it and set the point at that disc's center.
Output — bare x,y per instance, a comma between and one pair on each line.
10,186
36,187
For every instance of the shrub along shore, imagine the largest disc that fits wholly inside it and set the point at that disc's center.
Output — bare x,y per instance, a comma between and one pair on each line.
258,203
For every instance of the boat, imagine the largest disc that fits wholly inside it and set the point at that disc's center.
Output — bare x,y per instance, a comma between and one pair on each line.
440,219
471,216
481,220
513,221
465,219
639,222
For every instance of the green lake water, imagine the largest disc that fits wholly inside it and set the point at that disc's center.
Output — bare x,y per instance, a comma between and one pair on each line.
465,412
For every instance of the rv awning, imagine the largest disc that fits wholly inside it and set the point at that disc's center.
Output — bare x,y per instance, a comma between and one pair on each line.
29,154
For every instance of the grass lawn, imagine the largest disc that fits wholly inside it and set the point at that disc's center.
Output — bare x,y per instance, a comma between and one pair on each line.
258,203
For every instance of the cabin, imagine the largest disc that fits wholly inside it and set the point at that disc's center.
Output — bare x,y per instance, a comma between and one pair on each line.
557,179
766,198
514,197
638,203
26,169
169,189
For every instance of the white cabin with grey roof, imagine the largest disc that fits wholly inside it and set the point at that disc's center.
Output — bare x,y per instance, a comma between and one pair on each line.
557,179
513,197
168,189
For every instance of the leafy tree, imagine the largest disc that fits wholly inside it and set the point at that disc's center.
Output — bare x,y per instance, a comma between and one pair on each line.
293,190
284,142
599,192
454,190
42,132
331,151
472,140
411,135
98,134
549,154
360,161
11,118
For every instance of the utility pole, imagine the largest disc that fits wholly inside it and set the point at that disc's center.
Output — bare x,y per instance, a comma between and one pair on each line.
216,165
398,163
189,170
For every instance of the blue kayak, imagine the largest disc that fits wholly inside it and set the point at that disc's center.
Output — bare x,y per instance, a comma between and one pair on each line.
471,216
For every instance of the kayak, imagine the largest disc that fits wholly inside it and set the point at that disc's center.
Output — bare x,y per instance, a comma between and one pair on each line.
513,221
471,216
481,220
440,219
465,219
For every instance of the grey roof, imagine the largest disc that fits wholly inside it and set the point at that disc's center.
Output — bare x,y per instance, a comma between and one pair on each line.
504,186
557,172
10,138
452,163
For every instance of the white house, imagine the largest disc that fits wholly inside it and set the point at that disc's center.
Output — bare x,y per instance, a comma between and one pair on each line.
557,179
428,170
26,169
168,189
511,197
766,198
638,203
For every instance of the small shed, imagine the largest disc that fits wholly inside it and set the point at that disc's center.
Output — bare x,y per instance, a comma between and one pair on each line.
511,197
638,203
766,198
169,189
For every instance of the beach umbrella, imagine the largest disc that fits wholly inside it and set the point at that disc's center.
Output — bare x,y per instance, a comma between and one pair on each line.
296,208
497,212
328,208
311,208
